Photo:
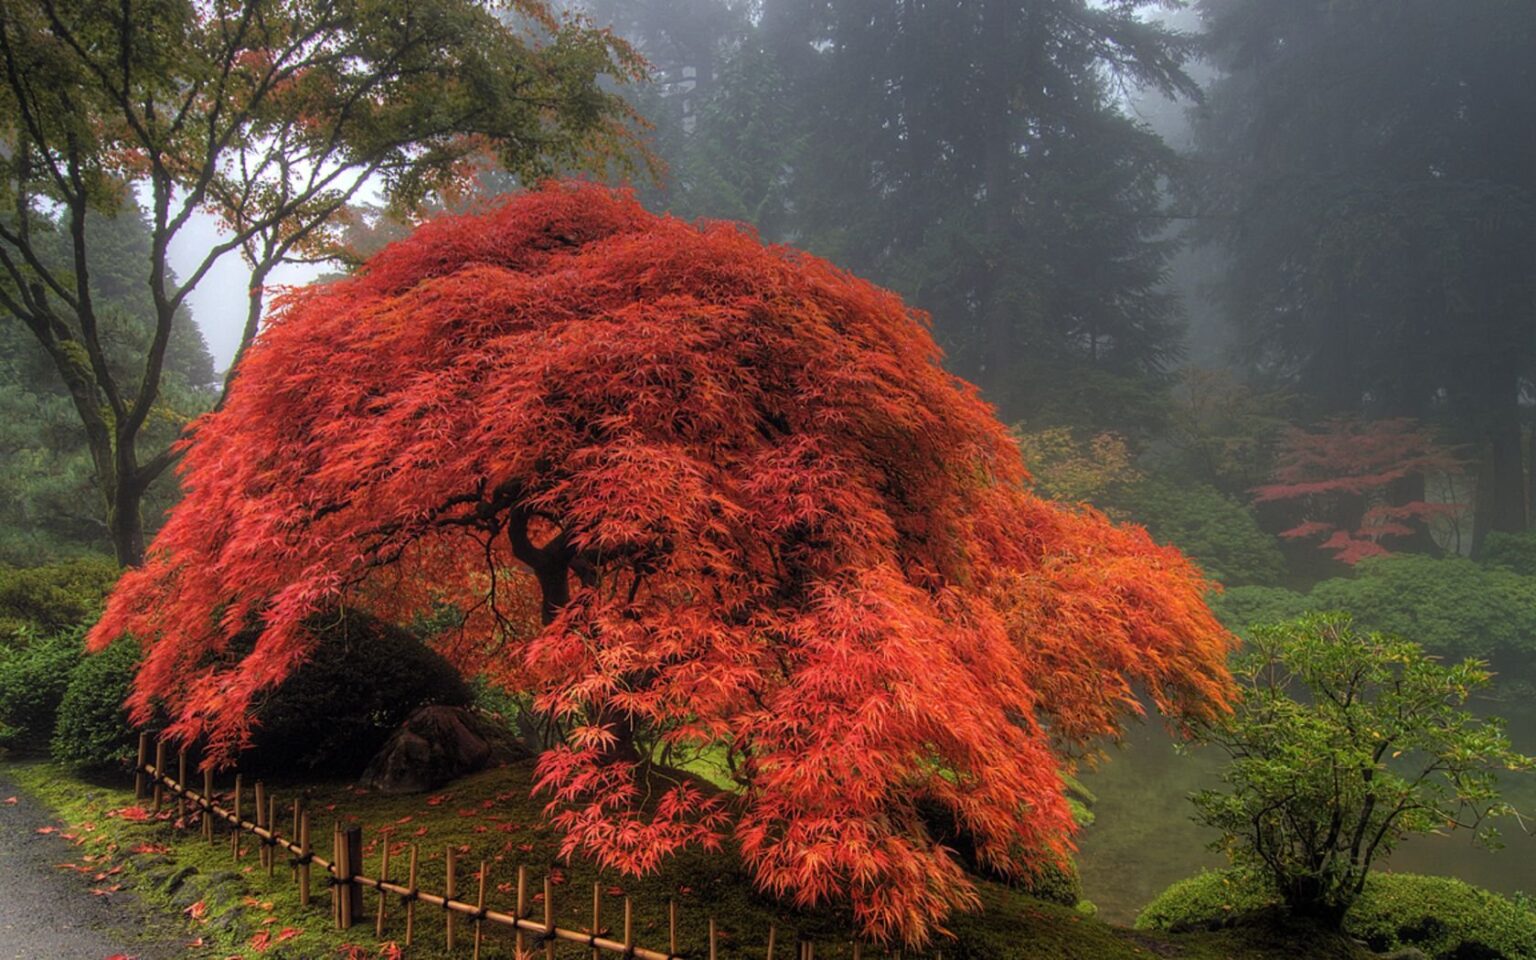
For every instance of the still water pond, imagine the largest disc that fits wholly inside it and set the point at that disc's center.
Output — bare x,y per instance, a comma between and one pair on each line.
1143,838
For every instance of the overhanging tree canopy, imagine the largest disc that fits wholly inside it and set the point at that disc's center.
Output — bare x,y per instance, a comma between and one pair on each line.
688,490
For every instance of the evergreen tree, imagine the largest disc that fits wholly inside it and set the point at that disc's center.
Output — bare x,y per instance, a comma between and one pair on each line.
1370,170
974,156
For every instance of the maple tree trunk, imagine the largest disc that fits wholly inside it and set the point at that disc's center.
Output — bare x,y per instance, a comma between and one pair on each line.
551,566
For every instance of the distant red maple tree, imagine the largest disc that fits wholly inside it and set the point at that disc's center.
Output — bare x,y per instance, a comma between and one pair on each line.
1343,476
687,490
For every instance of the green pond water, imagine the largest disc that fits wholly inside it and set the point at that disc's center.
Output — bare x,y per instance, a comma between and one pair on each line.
1143,838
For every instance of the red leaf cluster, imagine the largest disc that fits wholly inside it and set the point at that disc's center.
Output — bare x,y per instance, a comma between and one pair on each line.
689,491
1343,476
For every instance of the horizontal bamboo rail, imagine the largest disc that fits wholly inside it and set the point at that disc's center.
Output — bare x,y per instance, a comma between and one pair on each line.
346,881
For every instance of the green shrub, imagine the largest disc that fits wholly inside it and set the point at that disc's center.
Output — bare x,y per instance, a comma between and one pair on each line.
93,729
1219,534
1242,608
32,683
1443,917
1515,552
335,712
44,600
1206,901
1451,606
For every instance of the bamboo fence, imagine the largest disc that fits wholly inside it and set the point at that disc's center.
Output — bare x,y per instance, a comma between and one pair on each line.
343,874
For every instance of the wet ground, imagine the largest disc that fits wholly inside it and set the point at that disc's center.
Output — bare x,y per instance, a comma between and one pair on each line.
50,914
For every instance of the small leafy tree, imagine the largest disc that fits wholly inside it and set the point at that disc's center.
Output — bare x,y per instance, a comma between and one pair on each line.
1343,744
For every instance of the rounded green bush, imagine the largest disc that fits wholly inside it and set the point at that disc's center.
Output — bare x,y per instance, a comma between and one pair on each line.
1444,918
1515,552
336,711
54,597
1241,608
1450,605
1222,536
93,729
32,684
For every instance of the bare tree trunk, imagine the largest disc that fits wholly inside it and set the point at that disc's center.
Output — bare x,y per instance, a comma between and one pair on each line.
1501,482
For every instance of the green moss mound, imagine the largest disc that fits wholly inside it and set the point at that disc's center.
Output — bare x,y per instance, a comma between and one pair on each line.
1207,901
1444,918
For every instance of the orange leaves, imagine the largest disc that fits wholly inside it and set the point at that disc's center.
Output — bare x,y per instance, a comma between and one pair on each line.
691,491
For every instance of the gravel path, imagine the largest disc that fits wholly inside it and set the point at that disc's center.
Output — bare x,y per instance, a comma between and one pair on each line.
49,914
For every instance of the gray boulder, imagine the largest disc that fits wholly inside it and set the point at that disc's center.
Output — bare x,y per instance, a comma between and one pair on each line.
435,745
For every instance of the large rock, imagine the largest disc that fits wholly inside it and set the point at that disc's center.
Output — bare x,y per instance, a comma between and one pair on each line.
435,745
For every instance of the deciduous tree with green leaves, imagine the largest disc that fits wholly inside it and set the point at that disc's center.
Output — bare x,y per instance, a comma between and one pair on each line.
272,117
1343,743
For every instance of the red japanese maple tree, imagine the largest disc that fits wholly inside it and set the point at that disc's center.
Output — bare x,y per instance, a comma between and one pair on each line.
1349,479
687,490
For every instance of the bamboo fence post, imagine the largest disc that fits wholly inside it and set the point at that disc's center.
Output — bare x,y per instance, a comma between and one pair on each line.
714,940
522,911
140,784
629,928
293,866
304,856
208,802
858,950
597,918
181,782
272,827
549,918
450,860
410,905
159,773
672,928
336,866
773,930
261,821
378,923
234,835
352,891
480,911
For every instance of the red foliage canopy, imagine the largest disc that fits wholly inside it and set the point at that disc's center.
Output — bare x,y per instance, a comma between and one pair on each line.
1348,476
753,510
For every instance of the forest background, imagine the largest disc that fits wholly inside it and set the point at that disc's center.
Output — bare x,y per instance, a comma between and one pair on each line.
1259,276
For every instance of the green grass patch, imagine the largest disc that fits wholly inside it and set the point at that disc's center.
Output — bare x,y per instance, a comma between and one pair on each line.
491,817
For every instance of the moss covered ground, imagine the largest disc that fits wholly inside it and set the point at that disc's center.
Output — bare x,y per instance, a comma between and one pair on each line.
232,908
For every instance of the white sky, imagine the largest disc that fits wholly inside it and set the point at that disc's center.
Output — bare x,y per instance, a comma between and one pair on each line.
218,302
